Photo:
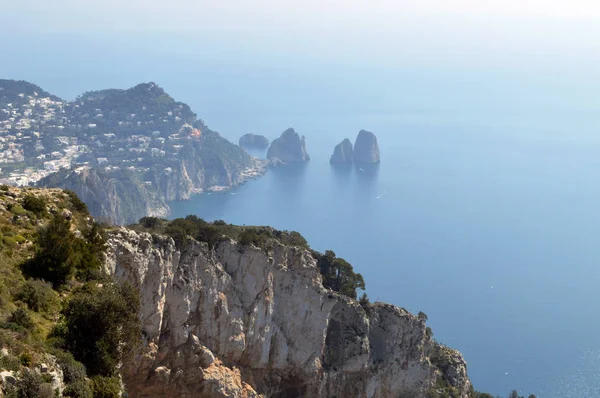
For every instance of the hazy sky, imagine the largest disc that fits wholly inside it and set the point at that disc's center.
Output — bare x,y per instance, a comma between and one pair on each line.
65,43
498,30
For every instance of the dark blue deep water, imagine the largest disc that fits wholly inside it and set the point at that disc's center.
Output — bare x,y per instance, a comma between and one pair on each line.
491,232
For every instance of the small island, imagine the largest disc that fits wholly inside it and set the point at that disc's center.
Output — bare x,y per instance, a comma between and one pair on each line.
254,141
288,148
366,149
342,153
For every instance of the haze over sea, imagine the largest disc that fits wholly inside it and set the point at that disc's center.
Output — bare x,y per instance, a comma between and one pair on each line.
484,218
484,210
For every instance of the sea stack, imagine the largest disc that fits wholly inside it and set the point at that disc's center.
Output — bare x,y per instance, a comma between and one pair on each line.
254,141
342,153
366,150
289,148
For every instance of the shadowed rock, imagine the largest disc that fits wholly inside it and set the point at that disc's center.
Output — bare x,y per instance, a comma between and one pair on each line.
289,148
366,150
343,153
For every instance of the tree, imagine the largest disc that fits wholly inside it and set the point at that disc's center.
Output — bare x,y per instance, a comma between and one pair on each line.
61,254
339,275
34,204
101,326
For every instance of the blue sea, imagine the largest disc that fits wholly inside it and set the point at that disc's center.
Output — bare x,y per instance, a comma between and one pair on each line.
484,212
492,231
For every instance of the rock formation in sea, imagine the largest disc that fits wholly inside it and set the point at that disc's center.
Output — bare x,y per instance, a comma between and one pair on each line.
254,141
366,149
288,148
237,320
342,153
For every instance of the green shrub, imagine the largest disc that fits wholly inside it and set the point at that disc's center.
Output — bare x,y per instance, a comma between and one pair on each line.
150,222
219,223
102,327
10,362
31,385
9,241
78,389
38,295
364,300
20,318
20,239
26,359
73,371
339,275
34,204
77,203
61,254
4,188
17,210
106,387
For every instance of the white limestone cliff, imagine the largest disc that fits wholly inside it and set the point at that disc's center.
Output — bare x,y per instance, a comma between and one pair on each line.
238,322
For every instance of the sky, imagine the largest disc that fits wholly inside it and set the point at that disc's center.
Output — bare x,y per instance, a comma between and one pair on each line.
514,33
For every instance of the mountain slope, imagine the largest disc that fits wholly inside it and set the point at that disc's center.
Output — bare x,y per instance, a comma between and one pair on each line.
137,148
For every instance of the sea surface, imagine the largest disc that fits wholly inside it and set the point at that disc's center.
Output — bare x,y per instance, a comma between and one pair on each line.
484,212
492,231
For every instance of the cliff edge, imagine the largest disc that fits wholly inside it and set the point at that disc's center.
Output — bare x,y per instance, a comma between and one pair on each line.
235,320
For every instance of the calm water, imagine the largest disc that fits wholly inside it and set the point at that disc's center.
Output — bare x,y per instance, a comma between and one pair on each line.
493,233
483,212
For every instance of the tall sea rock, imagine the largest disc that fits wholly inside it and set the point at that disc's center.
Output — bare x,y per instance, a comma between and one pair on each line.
342,153
241,321
366,149
288,148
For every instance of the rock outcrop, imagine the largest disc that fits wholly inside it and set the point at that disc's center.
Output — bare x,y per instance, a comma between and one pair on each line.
254,141
288,148
366,149
342,153
236,321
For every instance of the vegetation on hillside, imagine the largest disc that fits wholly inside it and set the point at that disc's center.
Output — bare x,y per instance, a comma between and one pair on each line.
56,306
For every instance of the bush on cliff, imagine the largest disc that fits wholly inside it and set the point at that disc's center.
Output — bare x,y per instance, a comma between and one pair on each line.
339,275
101,327
60,254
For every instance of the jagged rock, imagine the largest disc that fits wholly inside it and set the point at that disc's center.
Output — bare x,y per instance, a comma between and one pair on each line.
254,141
288,148
66,213
366,150
8,378
236,321
342,153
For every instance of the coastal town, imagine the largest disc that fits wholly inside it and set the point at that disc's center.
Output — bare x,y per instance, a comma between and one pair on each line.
41,134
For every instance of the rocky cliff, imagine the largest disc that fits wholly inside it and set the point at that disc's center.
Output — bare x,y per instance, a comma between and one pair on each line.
288,148
123,195
254,141
366,149
240,321
342,153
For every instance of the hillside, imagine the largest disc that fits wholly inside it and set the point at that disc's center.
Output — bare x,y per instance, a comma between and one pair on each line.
138,140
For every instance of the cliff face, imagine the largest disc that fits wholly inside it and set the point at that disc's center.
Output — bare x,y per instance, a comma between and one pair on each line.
366,149
123,196
238,322
116,200
288,148
342,153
